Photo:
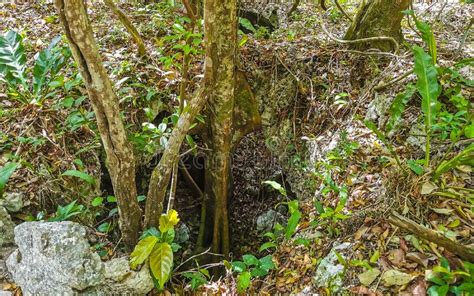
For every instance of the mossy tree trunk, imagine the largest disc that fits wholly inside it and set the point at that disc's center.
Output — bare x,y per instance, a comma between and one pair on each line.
120,159
377,18
220,31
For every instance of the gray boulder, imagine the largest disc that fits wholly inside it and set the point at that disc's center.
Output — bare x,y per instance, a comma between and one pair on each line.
121,280
6,228
182,233
12,201
330,273
54,258
267,220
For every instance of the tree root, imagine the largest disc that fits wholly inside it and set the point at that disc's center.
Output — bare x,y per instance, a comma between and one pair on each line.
369,39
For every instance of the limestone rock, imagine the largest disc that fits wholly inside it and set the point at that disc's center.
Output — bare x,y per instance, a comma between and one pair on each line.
5,276
54,258
6,228
182,233
121,280
330,273
267,220
12,201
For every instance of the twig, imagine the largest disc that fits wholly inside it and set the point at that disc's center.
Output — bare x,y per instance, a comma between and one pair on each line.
190,179
174,182
192,257
393,81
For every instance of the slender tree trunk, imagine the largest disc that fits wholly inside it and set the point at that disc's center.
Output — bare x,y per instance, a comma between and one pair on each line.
161,174
120,158
128,25
220,30
377,18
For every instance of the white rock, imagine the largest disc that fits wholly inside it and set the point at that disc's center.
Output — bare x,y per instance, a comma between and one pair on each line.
54,258
330,273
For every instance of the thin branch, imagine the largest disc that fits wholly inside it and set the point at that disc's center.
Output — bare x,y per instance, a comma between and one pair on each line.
174,182
393,81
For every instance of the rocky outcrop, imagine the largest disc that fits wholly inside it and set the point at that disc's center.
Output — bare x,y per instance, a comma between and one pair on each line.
267,220
330,273
6,228
121,280
55,258
12,201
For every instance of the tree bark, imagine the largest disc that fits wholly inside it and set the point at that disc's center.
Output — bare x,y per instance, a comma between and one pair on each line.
220,30
465,252
128,25
120,159
160,176
378,18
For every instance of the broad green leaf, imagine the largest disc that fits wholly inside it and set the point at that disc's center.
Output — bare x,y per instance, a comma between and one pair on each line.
98,201
292,224
13,59
168,221
276,186
250,259
438,290
469,131
415,167
429,90
247,24
161,263
258,272
267,262
375,257
428,38
398,106
142,250
239,266
266,246
5,173
44,64
293,206
243,281
466,156
81,175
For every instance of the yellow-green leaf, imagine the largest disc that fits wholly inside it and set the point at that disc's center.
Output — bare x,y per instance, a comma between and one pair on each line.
142,251
168,221
161,262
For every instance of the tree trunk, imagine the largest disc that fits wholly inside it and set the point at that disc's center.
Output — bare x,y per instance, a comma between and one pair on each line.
220,31
120,160
160,176
377,18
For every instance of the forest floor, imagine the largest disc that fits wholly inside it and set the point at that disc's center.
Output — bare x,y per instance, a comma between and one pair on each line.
314,93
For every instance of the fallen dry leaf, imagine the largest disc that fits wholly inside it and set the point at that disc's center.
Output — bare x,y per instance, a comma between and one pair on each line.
419,258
